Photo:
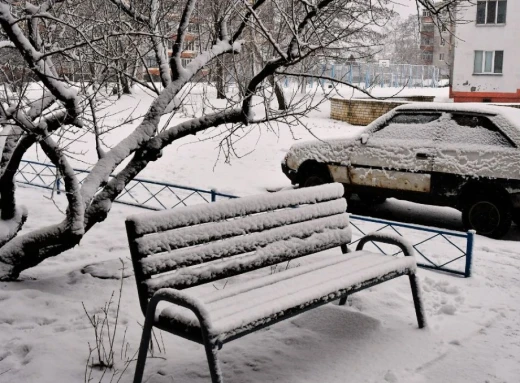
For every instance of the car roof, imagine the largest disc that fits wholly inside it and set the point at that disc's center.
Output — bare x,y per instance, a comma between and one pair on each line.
510,113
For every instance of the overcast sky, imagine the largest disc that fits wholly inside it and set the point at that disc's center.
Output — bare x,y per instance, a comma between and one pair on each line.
405,7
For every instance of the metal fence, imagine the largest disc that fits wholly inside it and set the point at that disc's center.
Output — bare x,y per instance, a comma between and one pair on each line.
368,75
442,250
142,193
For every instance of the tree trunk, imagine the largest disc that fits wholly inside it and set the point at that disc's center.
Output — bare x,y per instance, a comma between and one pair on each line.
220,82
125,83
278,91
303,85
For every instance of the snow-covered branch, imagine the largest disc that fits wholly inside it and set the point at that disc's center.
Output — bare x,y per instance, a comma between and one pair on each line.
148,127
7,44
84,53
131,11
65,94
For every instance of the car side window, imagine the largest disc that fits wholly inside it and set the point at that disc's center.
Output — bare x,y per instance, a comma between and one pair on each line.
409,126
413,118
474,130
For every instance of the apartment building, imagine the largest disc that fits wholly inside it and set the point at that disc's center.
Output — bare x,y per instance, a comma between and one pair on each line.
487,53
190,49
437,42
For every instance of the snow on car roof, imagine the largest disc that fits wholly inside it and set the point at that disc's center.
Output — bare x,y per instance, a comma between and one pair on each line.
509,113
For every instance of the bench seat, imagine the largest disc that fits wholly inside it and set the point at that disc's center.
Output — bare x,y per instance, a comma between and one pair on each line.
241,308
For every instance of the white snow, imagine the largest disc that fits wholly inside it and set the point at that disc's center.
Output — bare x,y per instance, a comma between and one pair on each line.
473,323
192,235
44,331
153,222
455,148
267,253
242,307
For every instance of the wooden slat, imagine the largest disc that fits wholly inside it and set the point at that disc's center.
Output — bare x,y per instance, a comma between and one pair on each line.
165,262
271,254
191,215
194,235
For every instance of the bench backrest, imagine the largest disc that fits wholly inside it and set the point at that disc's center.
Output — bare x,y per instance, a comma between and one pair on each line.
198,244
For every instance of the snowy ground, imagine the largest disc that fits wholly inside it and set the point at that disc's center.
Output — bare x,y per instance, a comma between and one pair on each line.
195,160
473,333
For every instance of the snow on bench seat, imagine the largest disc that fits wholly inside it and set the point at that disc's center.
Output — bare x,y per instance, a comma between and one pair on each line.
197,214
192,235
257,302
243,253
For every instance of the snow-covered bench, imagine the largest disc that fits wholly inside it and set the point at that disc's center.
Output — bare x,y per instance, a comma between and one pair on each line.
175,252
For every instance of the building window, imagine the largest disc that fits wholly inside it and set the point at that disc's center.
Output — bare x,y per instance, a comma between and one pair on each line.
150,62
426,40
491,11
441,56
427,27
427,57
487,62
443,42
192,28
426,13
189,45
185,62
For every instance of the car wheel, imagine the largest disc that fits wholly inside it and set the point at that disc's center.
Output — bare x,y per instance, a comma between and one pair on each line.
313,176
313,180
487,215
371,199
515,216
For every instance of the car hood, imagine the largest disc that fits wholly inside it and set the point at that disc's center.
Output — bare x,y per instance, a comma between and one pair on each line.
335,150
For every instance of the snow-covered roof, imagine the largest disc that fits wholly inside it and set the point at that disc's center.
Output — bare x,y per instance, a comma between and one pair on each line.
511,114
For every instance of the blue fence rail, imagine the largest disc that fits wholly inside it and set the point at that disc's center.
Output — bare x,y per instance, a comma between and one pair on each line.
442,250
439,257
153,195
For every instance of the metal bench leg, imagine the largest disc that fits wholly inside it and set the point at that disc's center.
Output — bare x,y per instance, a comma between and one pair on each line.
417,301
343,300
143,349
214,368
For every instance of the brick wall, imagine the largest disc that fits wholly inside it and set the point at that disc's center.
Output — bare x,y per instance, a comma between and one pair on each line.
360,112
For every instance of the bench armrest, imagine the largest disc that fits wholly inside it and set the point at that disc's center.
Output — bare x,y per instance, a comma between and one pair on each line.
182,299
391,239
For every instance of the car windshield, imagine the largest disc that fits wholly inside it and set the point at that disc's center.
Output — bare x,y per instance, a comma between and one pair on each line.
444,128
410,127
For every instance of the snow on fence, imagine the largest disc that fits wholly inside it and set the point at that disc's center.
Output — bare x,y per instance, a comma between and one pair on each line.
443,250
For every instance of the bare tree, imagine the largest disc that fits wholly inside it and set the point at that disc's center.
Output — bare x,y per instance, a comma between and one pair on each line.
56,32
402,41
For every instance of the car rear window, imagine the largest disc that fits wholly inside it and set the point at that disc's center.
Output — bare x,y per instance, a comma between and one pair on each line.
474,130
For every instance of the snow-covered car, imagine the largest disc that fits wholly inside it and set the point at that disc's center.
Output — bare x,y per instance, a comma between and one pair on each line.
462,155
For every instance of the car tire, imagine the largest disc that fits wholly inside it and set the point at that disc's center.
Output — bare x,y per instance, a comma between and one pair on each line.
516,216
371,199
314,175
488,215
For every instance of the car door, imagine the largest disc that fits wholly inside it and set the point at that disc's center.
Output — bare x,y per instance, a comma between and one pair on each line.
473,145
398,155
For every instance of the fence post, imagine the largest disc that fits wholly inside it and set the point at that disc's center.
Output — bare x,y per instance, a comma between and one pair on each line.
469,253
213,195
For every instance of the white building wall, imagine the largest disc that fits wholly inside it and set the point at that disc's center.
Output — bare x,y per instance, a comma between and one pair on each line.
494,37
